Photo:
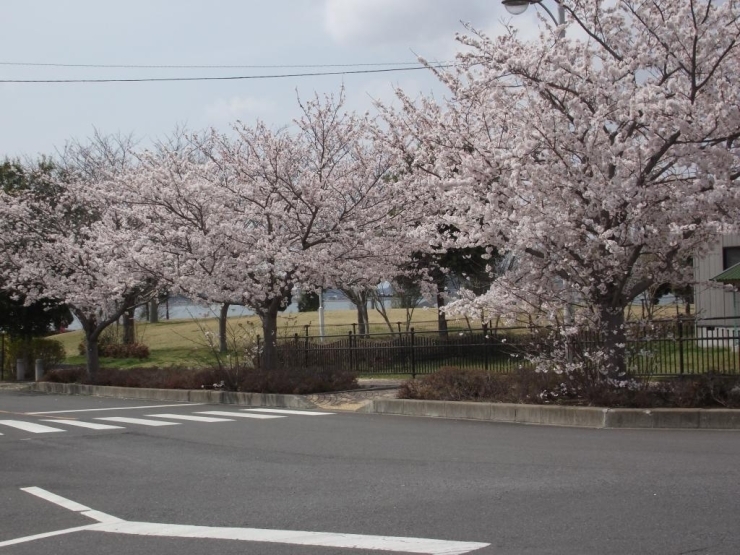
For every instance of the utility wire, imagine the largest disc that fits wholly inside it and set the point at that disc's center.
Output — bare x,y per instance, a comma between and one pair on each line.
226,78
205,66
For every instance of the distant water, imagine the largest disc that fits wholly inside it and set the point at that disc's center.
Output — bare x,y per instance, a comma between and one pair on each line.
181,308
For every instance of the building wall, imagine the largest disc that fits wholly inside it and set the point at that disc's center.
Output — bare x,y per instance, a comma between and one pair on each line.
712,301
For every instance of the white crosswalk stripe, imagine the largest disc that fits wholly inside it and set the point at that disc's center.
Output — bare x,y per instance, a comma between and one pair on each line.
190,417
240,414
161,419
140,421
81,424
288,411
30,427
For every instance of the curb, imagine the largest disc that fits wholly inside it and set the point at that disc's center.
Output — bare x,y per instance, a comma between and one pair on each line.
549,415
178,395
546,415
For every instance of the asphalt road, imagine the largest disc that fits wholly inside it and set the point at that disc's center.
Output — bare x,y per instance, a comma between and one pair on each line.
359,479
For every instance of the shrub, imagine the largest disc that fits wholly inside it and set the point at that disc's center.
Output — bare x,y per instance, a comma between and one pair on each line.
50,351
118,350
527,386
134,350
298,380
455,384
301,381
65,375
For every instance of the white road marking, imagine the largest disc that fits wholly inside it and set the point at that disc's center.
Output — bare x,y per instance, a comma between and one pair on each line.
118,408
30,427
46,535
286,411
113,525
190,417
294,537
81,424
240,414
141,421
68,504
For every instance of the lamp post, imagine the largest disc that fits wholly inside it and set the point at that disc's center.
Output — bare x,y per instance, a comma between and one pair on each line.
517,7
2,355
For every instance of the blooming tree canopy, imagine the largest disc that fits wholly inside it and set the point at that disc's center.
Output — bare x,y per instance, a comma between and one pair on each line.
74,244
248,218
600,158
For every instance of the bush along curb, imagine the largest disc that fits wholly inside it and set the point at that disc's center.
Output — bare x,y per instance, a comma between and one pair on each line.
208,396
581,417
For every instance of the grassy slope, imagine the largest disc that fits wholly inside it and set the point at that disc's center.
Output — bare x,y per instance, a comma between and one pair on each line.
182,342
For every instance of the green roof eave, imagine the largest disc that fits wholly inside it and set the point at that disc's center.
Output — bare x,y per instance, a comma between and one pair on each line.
730,275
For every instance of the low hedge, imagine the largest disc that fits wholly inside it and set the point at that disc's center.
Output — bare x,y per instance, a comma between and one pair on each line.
528,386
285,381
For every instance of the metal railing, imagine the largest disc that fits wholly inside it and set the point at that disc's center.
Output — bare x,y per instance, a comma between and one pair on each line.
653,348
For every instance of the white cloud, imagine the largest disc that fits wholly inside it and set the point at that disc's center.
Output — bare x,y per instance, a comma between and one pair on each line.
410,22
238,107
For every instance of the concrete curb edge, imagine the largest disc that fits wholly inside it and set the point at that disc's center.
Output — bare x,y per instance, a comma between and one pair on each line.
209,396
550,415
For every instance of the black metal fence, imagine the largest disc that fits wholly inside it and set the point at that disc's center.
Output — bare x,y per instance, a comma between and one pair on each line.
659,348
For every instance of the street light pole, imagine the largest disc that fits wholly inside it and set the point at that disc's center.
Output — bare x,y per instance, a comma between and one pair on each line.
517,7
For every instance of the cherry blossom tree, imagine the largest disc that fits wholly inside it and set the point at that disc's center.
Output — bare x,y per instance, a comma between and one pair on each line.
599,159
254,215
75,245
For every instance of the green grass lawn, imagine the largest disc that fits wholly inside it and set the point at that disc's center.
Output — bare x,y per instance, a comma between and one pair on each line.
183,342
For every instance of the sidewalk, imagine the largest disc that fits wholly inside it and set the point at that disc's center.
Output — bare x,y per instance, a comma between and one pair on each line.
373,389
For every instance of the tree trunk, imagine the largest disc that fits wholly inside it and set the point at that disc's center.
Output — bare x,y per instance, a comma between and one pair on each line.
363,317
614,342
269,331
222,342
441,317
153,311
129,336
93,359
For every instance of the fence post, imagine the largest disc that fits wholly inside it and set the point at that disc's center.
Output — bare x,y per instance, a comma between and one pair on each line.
413,356
305,349
259,352
680,346
351,363
20,369
2,355
485,347
39,369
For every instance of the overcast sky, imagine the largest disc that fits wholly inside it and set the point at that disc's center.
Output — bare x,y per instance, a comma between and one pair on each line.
38,118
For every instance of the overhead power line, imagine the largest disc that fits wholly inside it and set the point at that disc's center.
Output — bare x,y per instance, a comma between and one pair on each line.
203,66
224,78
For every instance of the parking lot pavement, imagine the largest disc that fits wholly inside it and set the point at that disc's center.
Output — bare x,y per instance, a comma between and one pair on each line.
213,482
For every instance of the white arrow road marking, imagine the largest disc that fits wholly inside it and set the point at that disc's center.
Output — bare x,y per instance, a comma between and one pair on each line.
190,417
140,421
81,424
30,427
113,525
286,411
240,414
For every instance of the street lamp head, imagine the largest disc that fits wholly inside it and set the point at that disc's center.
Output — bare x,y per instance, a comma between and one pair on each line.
516,7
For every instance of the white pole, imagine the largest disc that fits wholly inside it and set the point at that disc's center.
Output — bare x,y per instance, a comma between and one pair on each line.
321,314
